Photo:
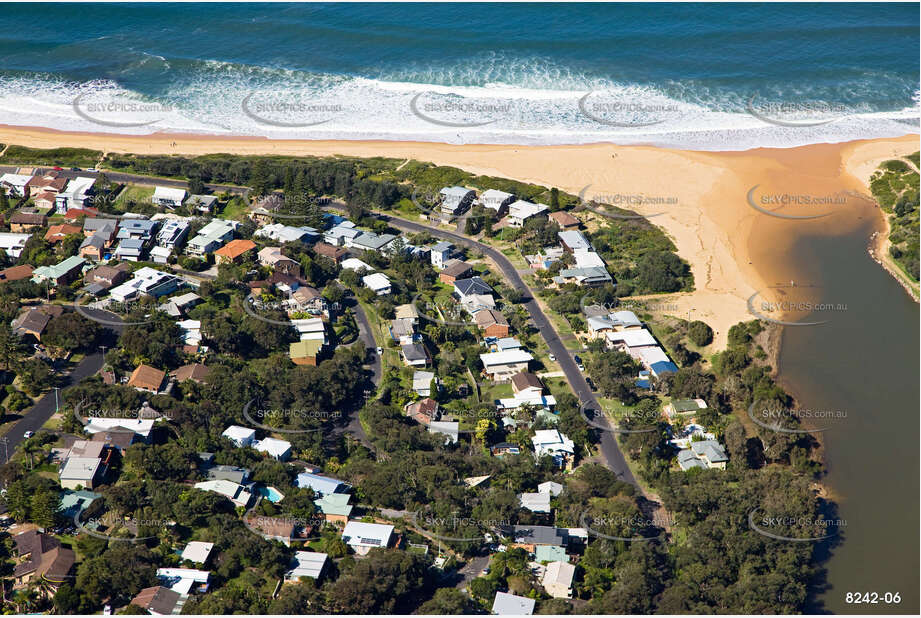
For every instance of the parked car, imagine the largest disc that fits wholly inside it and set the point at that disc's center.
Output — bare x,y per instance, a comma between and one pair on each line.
552,357
28,434
380,351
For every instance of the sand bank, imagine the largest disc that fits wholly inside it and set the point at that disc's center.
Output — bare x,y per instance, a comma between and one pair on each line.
703,204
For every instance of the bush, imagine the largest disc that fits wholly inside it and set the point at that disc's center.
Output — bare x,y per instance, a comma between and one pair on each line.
699,333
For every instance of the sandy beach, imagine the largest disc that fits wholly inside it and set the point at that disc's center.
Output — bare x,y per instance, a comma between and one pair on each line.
734,250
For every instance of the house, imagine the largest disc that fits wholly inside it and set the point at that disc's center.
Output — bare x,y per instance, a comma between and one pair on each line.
687,460
565,220
159,601
62,273
51,182
237,494
272,256
341,235
168,197
532,537
334,507
423,411
305,352
202,203
94,247
118,439
612,322
197,552
321,485
138,229
521,211
506,604
550,553
403,331
172,234
527,384
309,299
279,232
147,378
57,233
76,193
440,253
280,529
472,286
306,564
73,215
16,273
329,251
473,303
279,450
356,265
496,201
13,244
196,373
184,581
422,383
455,200
711,453
501,366
451,429
209,238
455,270
369,241
80,472
15,184
363,537
25,222
108,276
557,580
147,281
504,448
130,249
491,323
378,282
241,436
587,277
550,487
93,226
140,426
535,502
573,240
628,340
233,251
264,210
40,557
33,322
177,306
415,355
407,312
44,201
684,406
551,443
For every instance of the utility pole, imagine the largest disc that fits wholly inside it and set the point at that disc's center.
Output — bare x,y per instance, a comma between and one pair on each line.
6,448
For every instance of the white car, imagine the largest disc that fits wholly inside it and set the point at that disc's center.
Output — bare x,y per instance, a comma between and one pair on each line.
552,357
28,434
380,351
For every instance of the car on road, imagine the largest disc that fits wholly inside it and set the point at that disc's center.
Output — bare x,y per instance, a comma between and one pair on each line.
28,434
91,169
58,168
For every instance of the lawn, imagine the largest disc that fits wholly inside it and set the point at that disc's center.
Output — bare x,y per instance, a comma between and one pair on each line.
135,193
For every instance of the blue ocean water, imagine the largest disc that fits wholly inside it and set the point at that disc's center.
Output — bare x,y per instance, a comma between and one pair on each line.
710,76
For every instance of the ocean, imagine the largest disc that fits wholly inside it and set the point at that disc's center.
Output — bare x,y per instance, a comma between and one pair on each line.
708,77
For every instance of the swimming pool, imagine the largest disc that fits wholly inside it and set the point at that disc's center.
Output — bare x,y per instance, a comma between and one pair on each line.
270,493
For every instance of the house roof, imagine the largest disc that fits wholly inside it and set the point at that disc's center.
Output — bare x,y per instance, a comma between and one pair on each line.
196,372
507,357
33,321
147,377
415,352
408,311
305,348
273,526
456,268
307,564
512,605
197,551
535,502
564,219
366,534
157,600
56,232
376,281
322,248
238,433
169,193
273,446
80,468
711,449
319,483
559,573
489,317
235,248
16,273
473,285
538,535
524,380
334,504
46,556
550,553
25,218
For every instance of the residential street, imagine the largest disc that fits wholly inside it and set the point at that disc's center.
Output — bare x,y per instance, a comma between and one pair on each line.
610,451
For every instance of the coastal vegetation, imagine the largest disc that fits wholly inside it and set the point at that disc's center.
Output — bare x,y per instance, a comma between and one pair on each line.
63,157
895,187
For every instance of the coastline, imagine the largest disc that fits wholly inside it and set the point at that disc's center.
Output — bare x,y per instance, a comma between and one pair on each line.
734,251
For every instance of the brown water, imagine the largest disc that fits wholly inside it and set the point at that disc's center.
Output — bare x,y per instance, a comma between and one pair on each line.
864,361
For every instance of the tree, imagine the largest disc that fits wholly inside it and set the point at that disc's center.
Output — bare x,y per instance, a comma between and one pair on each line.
448,602
36,376
70,332
12,349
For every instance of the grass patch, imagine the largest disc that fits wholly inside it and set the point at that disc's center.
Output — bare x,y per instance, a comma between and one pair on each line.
62,157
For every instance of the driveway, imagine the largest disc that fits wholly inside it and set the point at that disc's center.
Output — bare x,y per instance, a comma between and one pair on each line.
35,417
610,451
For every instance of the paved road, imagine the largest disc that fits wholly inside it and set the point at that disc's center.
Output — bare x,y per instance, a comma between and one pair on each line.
365,334
122,177
38,414
610,451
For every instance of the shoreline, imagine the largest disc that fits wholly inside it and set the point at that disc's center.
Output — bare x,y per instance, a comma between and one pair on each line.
733,250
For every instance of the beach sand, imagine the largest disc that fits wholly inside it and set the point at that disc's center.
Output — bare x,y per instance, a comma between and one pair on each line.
734,250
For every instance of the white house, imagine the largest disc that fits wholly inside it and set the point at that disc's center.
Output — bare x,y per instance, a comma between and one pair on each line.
211,237
168,197
15,184
241,436
521,211
13,243
552,443
182,580
356,265
557,580
506,604
496,200
140,426
535,502
146,281
234,492
440,253
306,564
422,383
279,450
197,551
502,366
285,233
455,200
377,282
74,195
363,537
